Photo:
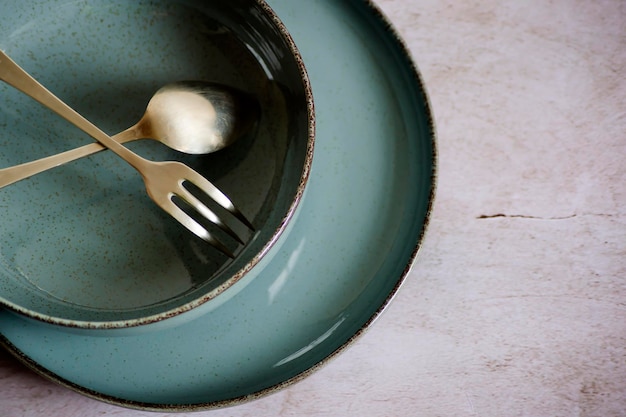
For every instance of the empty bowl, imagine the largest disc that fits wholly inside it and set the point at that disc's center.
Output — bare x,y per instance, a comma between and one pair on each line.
82,245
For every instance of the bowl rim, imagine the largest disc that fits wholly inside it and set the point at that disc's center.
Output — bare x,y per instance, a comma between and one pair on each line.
250,265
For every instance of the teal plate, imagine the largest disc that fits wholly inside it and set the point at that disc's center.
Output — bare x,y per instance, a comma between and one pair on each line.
358,230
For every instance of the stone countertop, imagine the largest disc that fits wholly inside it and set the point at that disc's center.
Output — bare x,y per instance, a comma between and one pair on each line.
516,305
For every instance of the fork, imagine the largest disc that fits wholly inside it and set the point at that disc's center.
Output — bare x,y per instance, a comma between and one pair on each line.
165,181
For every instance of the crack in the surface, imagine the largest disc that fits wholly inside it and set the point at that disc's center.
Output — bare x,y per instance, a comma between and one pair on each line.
522,216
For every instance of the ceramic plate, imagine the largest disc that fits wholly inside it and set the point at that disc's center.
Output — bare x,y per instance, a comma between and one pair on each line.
356,235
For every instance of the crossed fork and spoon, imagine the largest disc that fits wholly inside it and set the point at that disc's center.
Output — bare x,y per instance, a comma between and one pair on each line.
192,117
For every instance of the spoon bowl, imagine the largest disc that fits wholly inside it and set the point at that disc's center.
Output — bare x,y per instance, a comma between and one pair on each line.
197,117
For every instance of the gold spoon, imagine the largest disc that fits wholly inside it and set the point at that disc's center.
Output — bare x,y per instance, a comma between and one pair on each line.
194,117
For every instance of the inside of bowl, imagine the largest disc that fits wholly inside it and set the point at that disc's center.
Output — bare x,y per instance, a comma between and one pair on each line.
83,241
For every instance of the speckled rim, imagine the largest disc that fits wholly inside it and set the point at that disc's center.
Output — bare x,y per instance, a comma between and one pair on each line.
304,178
391,30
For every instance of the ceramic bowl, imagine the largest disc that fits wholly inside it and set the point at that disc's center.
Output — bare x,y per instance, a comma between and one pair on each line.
82,245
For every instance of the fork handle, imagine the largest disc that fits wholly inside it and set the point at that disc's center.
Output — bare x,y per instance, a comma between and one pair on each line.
20,172
15,76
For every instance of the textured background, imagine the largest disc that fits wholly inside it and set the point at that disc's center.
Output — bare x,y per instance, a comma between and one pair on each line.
517,303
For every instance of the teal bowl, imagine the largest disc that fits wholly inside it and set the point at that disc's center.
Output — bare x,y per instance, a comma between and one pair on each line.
82,245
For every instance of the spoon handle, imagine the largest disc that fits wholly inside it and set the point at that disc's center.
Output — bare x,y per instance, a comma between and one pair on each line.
17,173
15,76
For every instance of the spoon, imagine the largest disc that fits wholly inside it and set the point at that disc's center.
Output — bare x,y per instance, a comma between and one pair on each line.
193,117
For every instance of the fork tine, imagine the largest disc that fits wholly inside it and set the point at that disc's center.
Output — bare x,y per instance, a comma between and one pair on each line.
195,227
219,197
206,212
